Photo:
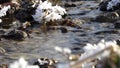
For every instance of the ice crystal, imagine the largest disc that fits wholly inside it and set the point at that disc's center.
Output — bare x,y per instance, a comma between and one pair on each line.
92,49
4,10
22,63
63,50
112,3
46,12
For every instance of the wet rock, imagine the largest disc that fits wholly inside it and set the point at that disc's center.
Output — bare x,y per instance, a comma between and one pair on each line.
63,30
24,14
44,63
70,5
103,6
108,17
118,42
117,24
26,3
70,23
6,23
15,35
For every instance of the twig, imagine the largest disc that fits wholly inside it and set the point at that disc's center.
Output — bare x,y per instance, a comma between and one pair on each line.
89,58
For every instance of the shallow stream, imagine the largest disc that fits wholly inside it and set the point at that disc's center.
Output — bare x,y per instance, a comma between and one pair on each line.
42,45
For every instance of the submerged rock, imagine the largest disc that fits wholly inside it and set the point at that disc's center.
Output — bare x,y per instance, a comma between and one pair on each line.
117,24
63,30
70,5
15,35
108,17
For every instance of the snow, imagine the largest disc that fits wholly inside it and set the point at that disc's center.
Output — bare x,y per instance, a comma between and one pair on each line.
92,49
46,12
112,3
4,10
22,63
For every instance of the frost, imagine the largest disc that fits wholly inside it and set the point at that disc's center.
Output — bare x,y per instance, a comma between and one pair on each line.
4,10
112,3
42,62
93,49
63,50
22,63
46,12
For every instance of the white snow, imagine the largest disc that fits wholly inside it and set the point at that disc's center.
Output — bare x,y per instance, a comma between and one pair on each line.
92,49
46,12
22,63
4,10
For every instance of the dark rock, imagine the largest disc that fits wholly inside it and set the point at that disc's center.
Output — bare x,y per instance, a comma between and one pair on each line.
24,14
103,6
4,1
70,23
77,50
118,42
108,17
26,4
63,30
15,35
70,5
117,25
42,63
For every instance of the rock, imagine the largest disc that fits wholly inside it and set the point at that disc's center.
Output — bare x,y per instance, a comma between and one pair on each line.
70,23
70,5
63,30
4,1
25,12
118,42
117,24
15,35
108,17
45,63
104,5
6,23
24,15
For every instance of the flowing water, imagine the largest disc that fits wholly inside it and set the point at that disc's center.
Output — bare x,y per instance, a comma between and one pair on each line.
42,45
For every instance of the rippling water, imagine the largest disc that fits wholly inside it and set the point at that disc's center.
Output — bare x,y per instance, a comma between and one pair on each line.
42,45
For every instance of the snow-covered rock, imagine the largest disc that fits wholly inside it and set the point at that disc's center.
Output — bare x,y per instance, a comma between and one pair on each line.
4,10
22,63
46,12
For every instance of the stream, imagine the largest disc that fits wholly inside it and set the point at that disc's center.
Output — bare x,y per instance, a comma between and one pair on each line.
42,45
